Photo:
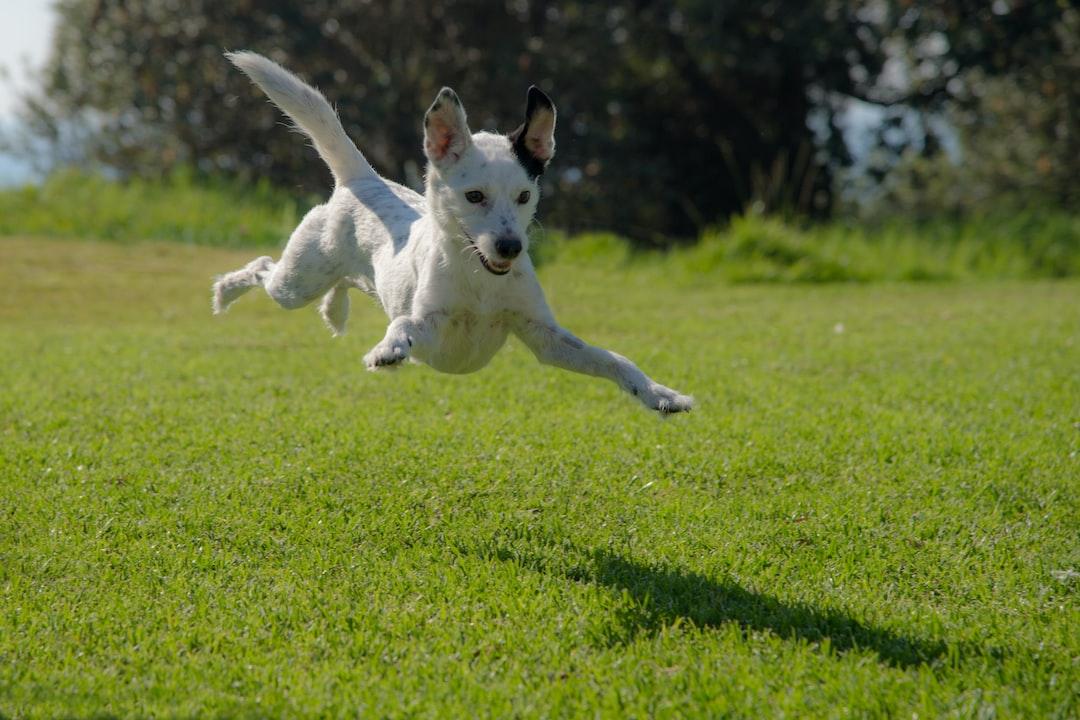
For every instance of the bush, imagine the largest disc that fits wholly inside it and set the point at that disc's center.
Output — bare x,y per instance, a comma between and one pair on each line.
761,249
79,204
751,248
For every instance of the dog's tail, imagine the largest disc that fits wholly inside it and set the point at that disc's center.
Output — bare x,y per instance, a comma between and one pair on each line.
310,111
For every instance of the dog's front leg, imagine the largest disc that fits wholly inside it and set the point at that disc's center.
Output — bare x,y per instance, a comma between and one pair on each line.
402,335
554,345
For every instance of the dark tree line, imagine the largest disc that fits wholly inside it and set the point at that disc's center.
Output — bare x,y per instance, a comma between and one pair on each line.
672,114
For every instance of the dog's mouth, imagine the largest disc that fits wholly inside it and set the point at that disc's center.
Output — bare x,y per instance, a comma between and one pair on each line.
495,267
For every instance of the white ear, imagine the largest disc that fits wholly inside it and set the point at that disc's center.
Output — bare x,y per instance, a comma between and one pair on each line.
534,141
446,133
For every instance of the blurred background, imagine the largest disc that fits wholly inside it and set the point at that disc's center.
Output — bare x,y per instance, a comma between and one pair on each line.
677,119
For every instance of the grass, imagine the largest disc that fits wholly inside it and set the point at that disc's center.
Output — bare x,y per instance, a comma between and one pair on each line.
180,208
1023,244
1005,243
873,511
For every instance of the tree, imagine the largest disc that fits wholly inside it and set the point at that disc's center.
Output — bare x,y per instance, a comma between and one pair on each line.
672,114
1016,114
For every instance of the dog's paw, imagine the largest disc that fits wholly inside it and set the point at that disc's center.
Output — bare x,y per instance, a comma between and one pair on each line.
666,401
386,355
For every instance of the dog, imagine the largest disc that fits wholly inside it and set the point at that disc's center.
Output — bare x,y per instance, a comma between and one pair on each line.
450,267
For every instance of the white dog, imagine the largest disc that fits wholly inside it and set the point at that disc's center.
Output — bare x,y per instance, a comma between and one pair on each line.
450,267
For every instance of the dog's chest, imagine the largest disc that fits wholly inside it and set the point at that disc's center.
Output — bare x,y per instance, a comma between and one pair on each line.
466,340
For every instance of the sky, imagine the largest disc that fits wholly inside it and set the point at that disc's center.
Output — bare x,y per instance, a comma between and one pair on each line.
24,38
24,41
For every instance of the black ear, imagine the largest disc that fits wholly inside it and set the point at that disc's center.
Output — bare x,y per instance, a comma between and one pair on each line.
534,141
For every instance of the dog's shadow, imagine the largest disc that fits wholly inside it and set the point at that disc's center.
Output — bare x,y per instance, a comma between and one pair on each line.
666,596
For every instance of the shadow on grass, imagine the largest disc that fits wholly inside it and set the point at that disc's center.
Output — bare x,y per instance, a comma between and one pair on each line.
665,596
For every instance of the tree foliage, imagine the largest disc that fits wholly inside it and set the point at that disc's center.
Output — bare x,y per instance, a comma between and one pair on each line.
1019,133
672,114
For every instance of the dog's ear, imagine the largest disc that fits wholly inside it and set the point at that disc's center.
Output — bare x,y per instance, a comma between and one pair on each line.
534,141
446,133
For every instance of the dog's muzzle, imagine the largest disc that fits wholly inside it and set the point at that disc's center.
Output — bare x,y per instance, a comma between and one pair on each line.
508,247
495,267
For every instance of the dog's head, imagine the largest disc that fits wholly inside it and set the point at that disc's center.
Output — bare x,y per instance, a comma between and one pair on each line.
483,187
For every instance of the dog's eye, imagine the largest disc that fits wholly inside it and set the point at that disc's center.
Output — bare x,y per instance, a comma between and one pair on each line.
523,197
474,196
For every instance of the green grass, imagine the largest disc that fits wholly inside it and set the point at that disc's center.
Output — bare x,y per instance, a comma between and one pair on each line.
1028,243
74,204
872,512
1001,244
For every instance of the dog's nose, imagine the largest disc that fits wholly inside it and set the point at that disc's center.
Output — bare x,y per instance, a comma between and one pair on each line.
508,247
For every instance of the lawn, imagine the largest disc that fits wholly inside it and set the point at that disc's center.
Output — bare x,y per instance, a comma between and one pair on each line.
872,512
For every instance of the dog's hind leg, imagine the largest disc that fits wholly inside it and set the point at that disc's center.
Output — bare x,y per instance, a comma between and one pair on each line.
230,286
311,265
312,262
335,308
